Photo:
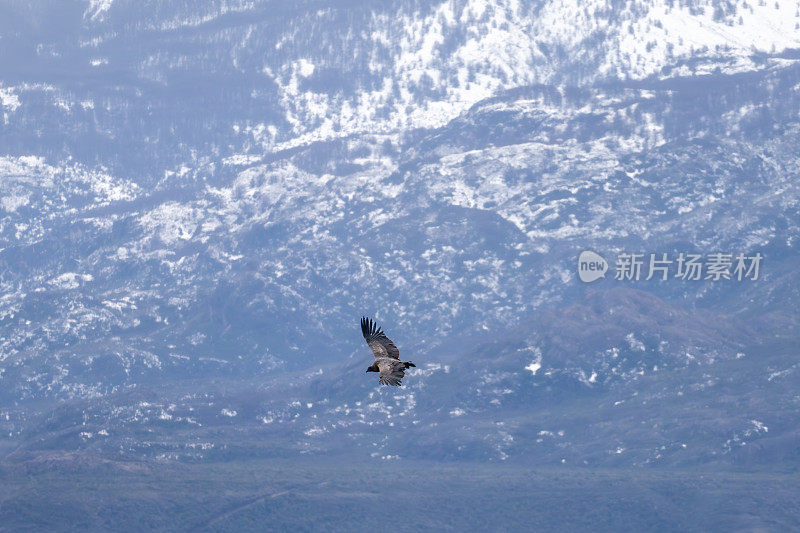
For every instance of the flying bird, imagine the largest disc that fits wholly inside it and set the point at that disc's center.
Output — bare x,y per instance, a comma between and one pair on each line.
387,356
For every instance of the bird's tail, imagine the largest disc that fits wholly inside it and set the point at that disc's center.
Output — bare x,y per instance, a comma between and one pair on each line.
409,363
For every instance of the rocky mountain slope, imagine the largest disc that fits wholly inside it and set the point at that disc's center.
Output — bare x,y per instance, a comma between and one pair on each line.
200,201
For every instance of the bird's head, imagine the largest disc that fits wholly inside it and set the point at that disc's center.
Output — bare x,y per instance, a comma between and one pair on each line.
373,368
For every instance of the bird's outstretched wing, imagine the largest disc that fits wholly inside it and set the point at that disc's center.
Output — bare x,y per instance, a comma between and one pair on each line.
391,371
377,340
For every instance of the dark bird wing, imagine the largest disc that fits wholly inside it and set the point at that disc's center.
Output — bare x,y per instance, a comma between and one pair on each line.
391,371
377,340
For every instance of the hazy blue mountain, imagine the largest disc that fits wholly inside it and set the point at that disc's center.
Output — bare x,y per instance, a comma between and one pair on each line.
199,200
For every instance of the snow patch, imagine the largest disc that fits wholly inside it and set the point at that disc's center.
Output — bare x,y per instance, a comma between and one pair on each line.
97,9
8,99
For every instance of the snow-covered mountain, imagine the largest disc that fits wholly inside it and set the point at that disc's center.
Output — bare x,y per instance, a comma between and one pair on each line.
199,200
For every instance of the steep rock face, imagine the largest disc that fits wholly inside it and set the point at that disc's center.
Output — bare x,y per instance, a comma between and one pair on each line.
265,76
198,201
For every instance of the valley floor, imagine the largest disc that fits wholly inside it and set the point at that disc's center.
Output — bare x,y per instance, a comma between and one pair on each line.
56,492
